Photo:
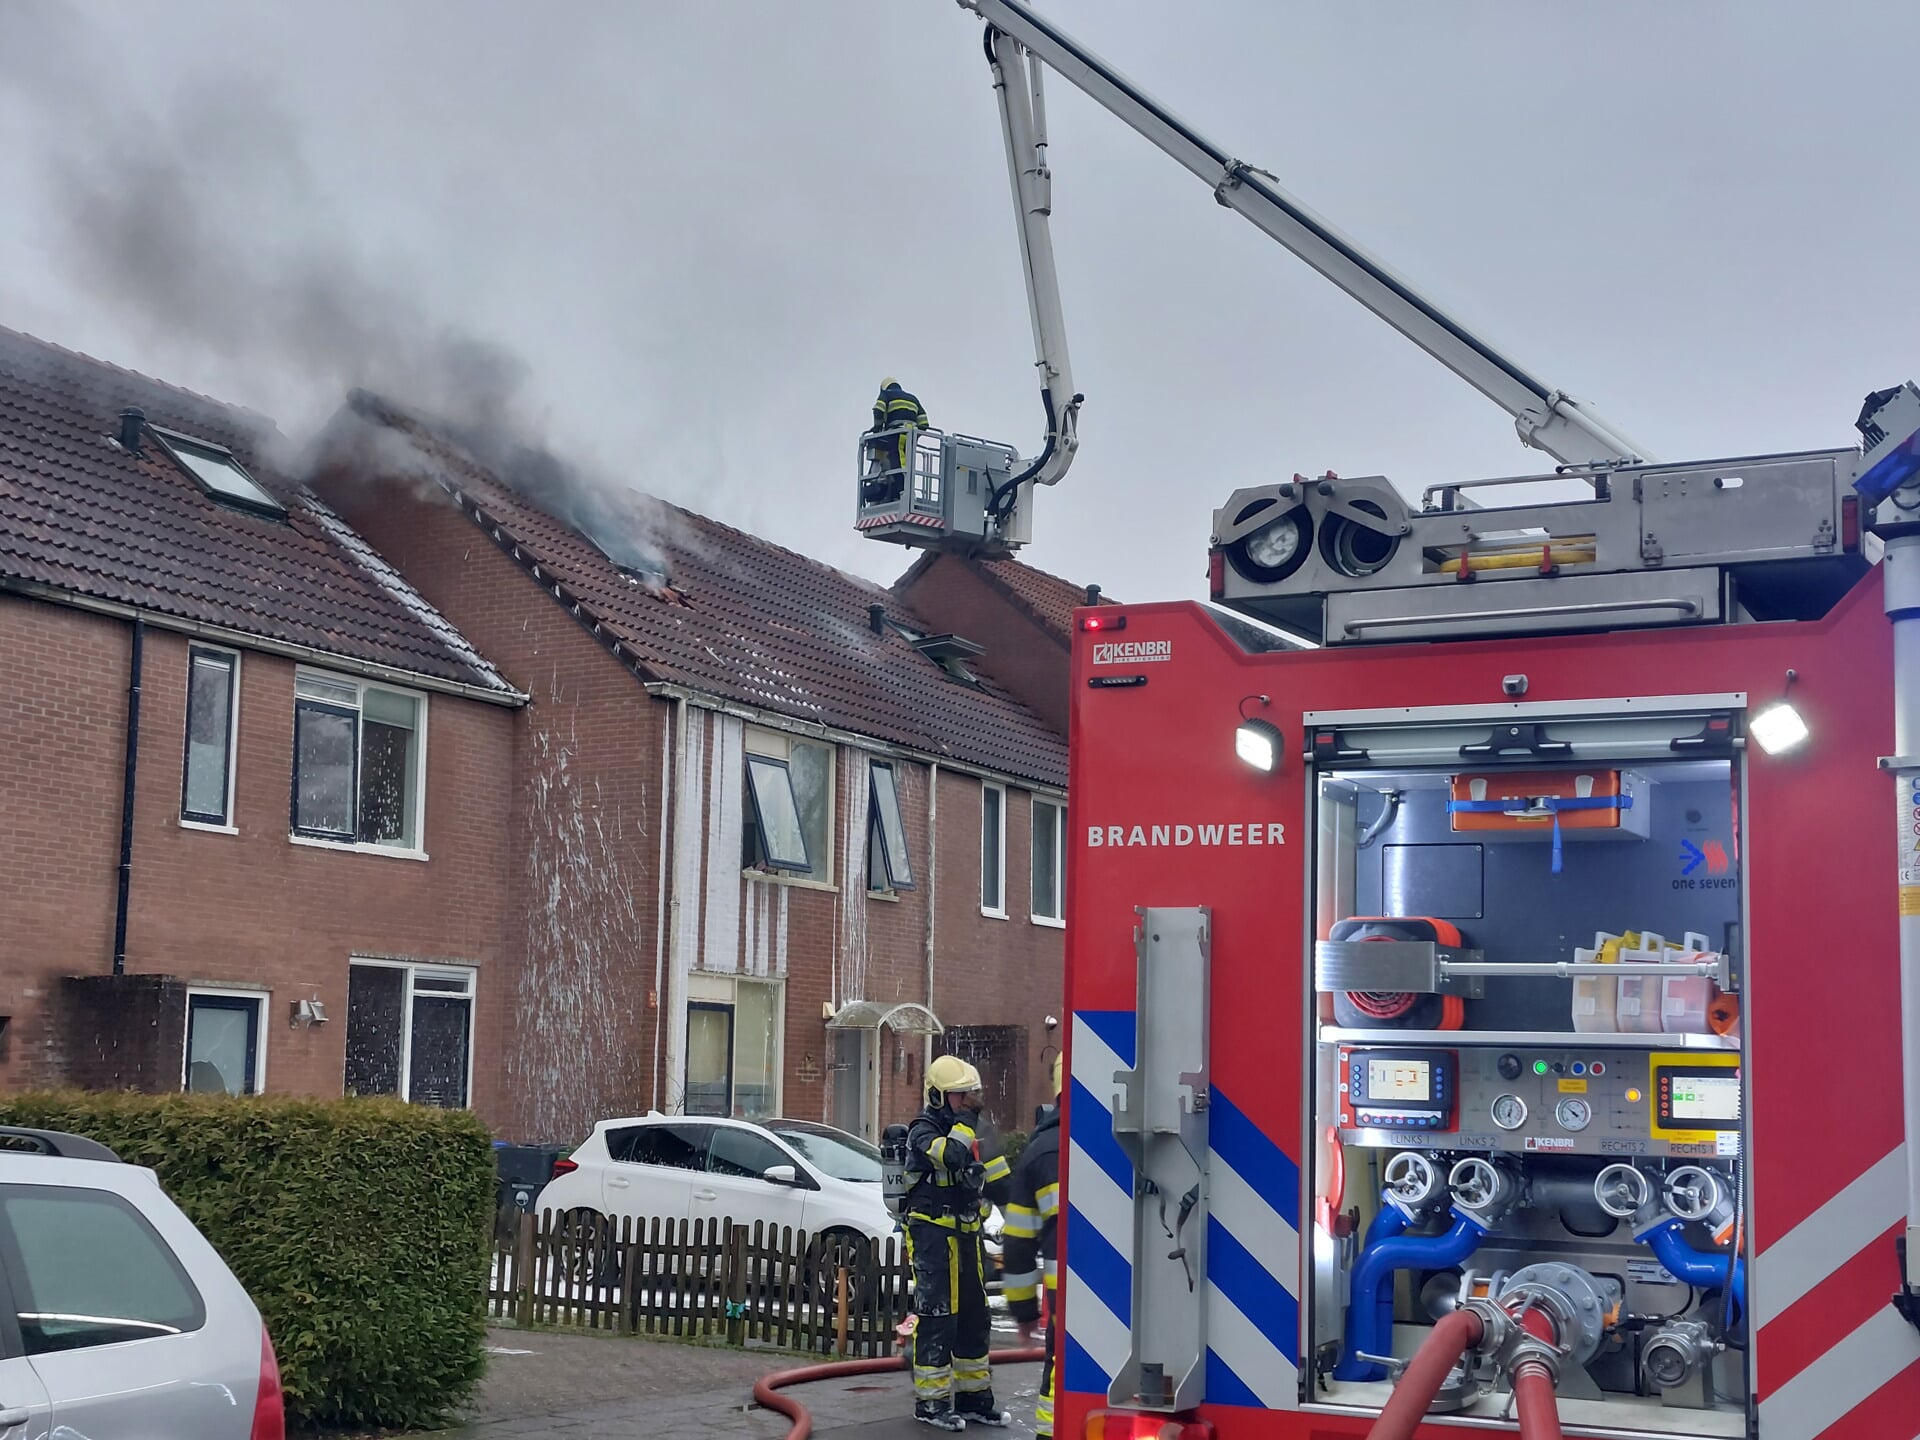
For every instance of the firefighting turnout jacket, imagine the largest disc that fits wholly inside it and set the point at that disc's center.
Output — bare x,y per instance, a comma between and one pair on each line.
896,406
943,1184
1032,1222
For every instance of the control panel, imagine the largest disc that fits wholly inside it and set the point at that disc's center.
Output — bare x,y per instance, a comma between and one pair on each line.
1572,1101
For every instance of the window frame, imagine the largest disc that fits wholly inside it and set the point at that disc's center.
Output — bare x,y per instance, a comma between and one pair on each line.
999,911
722,992
877,829
417,800
779,745
470,974
1057,920
190,820
754,763
234,996
179,446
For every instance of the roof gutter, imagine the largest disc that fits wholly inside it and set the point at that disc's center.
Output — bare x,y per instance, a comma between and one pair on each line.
773,720
245,640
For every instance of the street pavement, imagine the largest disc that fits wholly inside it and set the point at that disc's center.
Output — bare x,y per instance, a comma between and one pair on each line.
595,1387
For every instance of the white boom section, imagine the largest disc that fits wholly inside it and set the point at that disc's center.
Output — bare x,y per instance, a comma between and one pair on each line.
1023,120
1546,418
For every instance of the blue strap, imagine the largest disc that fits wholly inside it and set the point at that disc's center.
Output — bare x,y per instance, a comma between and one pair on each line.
1554,804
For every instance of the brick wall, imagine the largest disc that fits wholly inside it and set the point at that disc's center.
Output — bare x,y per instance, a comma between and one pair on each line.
250,909
1021,655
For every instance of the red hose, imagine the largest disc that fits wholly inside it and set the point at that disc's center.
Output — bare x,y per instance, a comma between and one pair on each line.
1533,1397
1413,1392
766,1388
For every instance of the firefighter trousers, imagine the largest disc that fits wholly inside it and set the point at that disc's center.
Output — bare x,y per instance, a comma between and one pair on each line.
952,1330
1043,1407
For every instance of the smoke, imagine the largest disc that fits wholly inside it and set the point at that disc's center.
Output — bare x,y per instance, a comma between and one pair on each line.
204,230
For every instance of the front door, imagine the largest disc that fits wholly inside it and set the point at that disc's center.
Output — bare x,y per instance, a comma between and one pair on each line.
852,1065
709,1059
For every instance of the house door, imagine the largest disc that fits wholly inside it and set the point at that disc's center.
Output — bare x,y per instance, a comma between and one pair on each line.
709,1060
852,1067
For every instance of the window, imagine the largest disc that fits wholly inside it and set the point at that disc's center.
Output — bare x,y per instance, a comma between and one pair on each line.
993,850
410,1032
888,866
225,1043
677,1147
840,1156
789,805
219,474
87,1269
357,762
1049,857
743,1154
733,1047
213,714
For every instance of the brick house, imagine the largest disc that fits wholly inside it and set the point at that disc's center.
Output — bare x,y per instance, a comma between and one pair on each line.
251,806
781,835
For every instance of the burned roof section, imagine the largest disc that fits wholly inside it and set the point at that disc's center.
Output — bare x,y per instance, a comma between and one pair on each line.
727,614
83,514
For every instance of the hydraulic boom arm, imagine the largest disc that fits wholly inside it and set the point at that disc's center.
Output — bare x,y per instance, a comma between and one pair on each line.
1546,418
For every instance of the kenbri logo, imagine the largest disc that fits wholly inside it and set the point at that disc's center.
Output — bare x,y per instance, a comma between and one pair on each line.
1131,652
1253,832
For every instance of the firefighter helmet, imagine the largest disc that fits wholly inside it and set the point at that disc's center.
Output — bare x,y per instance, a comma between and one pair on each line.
950,1075
1056,1077
888,383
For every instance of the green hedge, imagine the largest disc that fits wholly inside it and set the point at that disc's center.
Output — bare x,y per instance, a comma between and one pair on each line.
359,1227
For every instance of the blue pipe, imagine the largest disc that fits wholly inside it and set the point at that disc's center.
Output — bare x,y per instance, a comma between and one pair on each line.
1389,1221
1705,1268
1370,1305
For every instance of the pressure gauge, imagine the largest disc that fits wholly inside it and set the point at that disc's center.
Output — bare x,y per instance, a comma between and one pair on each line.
1573,1113
1509,1112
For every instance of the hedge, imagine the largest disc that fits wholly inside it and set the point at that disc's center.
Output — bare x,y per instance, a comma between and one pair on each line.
359,1226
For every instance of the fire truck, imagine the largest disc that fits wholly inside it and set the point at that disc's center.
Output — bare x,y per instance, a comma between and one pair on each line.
1495,1001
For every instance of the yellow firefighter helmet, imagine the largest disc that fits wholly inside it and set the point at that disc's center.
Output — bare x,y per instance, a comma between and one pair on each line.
950,1075
1056,1077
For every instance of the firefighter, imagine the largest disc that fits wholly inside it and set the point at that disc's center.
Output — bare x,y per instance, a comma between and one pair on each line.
892,409
1033,1211
951,1192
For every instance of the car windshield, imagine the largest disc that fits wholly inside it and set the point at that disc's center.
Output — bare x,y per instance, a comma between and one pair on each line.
833,1152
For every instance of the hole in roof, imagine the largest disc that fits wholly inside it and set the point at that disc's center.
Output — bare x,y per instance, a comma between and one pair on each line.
218,472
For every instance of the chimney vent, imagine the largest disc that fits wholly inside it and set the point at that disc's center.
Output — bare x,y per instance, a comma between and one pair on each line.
877,618
133,420
1093,594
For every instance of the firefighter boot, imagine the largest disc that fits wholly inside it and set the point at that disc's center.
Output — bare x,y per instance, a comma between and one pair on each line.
980,1408
939,1414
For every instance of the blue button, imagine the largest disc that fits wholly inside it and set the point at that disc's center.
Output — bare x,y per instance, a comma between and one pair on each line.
1578,1068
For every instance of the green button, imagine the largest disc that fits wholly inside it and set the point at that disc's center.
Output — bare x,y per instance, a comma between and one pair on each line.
1539,1067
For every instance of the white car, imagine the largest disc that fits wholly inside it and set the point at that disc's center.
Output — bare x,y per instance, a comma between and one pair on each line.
784,1172
127,1324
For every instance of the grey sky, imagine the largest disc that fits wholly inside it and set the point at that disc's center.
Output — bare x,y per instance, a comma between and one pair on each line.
707,230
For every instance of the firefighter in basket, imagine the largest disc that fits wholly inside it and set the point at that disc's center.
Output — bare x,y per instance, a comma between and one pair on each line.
949,1191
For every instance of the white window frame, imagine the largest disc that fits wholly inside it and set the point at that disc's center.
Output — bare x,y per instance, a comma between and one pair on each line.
876,820
414,968
228,827
1059,808
710,989
260,998
992,912
776,745
418,851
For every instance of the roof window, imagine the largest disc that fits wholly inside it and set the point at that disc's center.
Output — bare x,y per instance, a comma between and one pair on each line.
218,472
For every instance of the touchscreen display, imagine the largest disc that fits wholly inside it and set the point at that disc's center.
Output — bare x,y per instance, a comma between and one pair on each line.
1707,1098
1399,1080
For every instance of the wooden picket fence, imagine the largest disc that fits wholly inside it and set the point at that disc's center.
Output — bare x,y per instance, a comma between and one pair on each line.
706,1278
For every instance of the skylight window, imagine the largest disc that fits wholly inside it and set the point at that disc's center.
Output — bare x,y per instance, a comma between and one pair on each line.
219,473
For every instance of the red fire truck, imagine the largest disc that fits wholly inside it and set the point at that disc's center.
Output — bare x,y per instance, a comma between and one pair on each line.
1494,999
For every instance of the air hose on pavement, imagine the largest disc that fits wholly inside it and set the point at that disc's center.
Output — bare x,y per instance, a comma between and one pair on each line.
766,1389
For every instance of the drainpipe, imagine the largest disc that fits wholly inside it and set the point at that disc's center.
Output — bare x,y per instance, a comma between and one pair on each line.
126,795
667,753
676,982
933,898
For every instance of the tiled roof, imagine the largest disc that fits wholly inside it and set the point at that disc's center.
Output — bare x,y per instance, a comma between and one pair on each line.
746,621
1047,598
79,514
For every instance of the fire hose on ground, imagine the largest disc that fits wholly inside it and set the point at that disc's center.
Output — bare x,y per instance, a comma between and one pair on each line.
766,1389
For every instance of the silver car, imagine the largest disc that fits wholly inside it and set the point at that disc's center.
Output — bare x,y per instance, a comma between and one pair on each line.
117,1318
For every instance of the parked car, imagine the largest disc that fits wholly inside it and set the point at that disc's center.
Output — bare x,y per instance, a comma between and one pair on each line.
126,1322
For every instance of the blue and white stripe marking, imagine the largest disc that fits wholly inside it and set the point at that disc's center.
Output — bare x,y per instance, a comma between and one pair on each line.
1253,1239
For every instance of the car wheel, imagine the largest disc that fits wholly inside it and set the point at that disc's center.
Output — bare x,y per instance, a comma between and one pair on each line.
585,1252
826,1254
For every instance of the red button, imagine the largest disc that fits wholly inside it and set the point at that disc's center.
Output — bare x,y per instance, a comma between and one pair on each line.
1598,1068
